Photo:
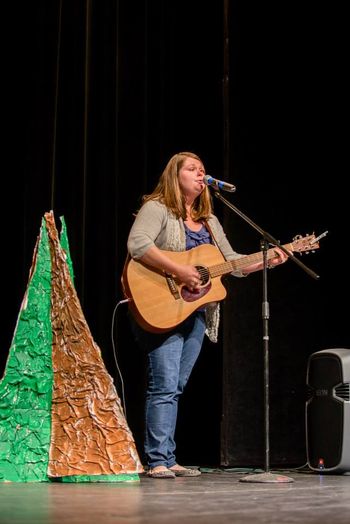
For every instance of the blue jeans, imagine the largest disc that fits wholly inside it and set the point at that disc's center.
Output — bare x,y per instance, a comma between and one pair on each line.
170,360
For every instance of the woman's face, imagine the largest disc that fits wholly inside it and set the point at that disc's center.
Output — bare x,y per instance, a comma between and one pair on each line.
191,178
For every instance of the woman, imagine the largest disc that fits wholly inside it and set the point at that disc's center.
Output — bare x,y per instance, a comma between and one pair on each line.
177,216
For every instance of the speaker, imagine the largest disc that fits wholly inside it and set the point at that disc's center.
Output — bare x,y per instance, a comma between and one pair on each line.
328,411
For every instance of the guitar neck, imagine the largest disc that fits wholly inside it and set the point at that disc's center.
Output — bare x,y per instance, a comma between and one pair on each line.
241,263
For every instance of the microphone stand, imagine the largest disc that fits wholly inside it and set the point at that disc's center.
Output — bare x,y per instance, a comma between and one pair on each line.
267,239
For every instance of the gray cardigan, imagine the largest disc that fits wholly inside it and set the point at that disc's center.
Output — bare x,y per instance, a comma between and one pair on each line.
155,225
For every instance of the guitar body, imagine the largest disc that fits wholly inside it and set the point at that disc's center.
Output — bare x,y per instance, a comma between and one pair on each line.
159,303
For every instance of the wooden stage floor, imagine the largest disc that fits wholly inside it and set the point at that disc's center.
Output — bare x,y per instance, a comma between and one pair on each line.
215,497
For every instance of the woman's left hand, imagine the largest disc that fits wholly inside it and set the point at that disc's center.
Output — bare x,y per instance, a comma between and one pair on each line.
280,258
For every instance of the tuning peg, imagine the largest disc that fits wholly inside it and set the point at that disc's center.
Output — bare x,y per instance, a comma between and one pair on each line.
320,236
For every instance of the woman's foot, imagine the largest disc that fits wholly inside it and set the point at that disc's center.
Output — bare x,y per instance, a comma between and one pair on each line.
161,472
181,471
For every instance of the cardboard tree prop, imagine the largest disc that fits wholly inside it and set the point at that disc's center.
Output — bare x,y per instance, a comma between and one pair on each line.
60,415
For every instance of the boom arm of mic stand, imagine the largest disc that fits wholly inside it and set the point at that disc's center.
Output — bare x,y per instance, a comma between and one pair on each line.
267,236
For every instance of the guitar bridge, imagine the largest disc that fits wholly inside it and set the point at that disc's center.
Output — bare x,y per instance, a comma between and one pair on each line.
172,286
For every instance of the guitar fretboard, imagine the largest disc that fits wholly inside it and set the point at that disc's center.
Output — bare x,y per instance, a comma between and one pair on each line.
240,264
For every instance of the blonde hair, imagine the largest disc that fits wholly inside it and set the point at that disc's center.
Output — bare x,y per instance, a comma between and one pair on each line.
169,193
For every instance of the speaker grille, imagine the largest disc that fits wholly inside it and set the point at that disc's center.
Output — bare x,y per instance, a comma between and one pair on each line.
343,391
325,371
324,410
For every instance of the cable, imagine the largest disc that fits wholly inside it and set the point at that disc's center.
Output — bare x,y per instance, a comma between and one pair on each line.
302,469
115,353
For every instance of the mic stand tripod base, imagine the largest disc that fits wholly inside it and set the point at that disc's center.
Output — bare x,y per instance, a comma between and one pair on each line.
267,477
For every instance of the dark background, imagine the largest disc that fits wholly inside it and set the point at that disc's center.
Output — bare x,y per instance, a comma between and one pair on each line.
98,96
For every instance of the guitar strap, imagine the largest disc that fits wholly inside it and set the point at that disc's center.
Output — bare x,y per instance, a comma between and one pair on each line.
213,237
216,244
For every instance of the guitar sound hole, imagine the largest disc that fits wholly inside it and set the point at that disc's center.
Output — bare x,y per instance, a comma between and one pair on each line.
204,273
191,296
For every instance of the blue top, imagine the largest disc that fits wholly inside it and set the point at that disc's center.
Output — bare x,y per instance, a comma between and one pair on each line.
196,238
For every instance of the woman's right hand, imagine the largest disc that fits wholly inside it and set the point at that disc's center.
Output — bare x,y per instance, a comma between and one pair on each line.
189,276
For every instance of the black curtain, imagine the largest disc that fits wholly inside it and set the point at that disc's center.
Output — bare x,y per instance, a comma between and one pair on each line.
99,96
287,106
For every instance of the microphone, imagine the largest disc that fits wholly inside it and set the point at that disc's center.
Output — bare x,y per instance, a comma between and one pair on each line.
218,184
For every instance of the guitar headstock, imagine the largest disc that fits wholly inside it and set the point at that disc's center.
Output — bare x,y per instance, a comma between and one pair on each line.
306,244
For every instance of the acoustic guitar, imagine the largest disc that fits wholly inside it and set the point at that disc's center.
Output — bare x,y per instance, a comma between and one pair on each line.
159,302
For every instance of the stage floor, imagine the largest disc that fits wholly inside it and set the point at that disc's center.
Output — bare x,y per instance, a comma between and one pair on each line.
215,497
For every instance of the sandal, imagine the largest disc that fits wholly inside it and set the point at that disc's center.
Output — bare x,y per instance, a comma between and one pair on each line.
161,474
186,472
